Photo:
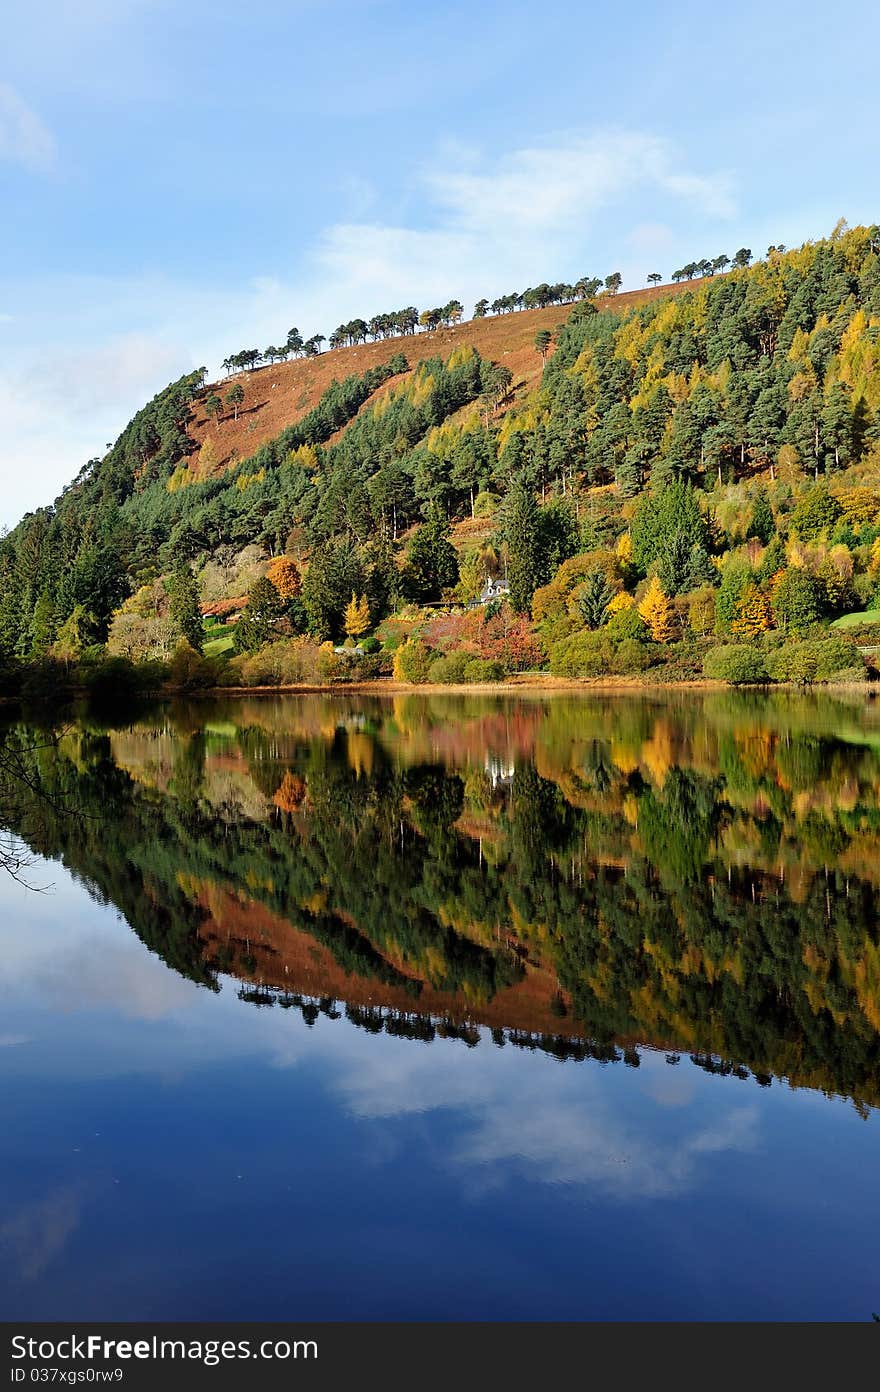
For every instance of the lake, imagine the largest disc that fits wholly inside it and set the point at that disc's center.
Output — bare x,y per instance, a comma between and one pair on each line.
443,1008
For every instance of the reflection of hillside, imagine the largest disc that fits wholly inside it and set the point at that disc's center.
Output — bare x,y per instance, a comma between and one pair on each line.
265,950
700,875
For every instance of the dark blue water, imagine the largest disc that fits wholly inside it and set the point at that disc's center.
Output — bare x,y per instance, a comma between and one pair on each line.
168,1152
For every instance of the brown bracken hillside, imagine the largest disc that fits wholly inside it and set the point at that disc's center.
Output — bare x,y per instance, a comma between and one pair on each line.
277,396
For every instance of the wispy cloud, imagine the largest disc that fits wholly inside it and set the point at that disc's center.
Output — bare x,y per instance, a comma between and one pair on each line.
24,138
555,187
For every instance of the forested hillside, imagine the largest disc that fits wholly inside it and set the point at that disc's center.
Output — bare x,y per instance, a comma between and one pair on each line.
683,485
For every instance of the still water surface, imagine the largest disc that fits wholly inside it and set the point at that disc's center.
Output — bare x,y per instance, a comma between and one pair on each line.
455,1008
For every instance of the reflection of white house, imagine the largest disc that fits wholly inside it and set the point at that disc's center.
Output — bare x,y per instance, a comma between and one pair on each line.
500,770
494,589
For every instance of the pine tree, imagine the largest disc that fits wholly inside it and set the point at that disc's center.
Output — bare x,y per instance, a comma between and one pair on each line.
257,623
234,398
431,562
763,523
658,613
522,533
183,592
357,616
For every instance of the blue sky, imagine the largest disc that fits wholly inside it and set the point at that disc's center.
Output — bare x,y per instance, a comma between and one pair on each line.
179,181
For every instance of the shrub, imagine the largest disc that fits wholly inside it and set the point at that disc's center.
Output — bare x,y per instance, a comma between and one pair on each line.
190,670
285,663
816,660
485,504
412,661
581,655
370,645
627,625
449,669
481,669
630,656
735,663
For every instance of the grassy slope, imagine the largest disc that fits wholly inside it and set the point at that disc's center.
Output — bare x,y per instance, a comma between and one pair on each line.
865,616
279,395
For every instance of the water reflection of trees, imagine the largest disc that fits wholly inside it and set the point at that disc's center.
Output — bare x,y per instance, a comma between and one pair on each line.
705,880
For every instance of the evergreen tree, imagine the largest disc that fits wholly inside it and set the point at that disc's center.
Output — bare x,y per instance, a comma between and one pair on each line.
234,398
431,559
183,592
525,545
593,599
763,523
257,624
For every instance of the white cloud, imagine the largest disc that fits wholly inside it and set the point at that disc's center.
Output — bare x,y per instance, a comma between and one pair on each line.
24,139
552,188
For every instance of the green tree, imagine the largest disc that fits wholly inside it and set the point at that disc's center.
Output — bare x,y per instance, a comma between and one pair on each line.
663,514
763,523
43,625
431,559
525,545
543,339
816,512
796,599
234,398
183,592
593,597
257,624
213,407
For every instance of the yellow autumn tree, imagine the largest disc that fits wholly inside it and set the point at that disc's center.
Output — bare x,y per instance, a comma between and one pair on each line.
285,576
753,613
290,792
621,600
357,616
657,611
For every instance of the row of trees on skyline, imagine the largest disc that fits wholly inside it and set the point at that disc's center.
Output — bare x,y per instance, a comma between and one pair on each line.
399,322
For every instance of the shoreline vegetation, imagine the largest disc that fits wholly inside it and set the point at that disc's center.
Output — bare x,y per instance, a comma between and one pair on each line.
518,686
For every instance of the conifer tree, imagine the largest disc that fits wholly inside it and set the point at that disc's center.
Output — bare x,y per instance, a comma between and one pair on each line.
234,398
658,613
431,562
183,592
257,623
357,616
522,533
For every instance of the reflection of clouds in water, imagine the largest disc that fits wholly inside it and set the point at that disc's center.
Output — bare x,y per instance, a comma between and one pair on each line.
95,973
72,954
557,1123
38,1232
566,1144
626,1133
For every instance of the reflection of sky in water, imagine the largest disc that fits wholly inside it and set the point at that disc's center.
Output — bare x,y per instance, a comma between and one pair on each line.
170,1152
